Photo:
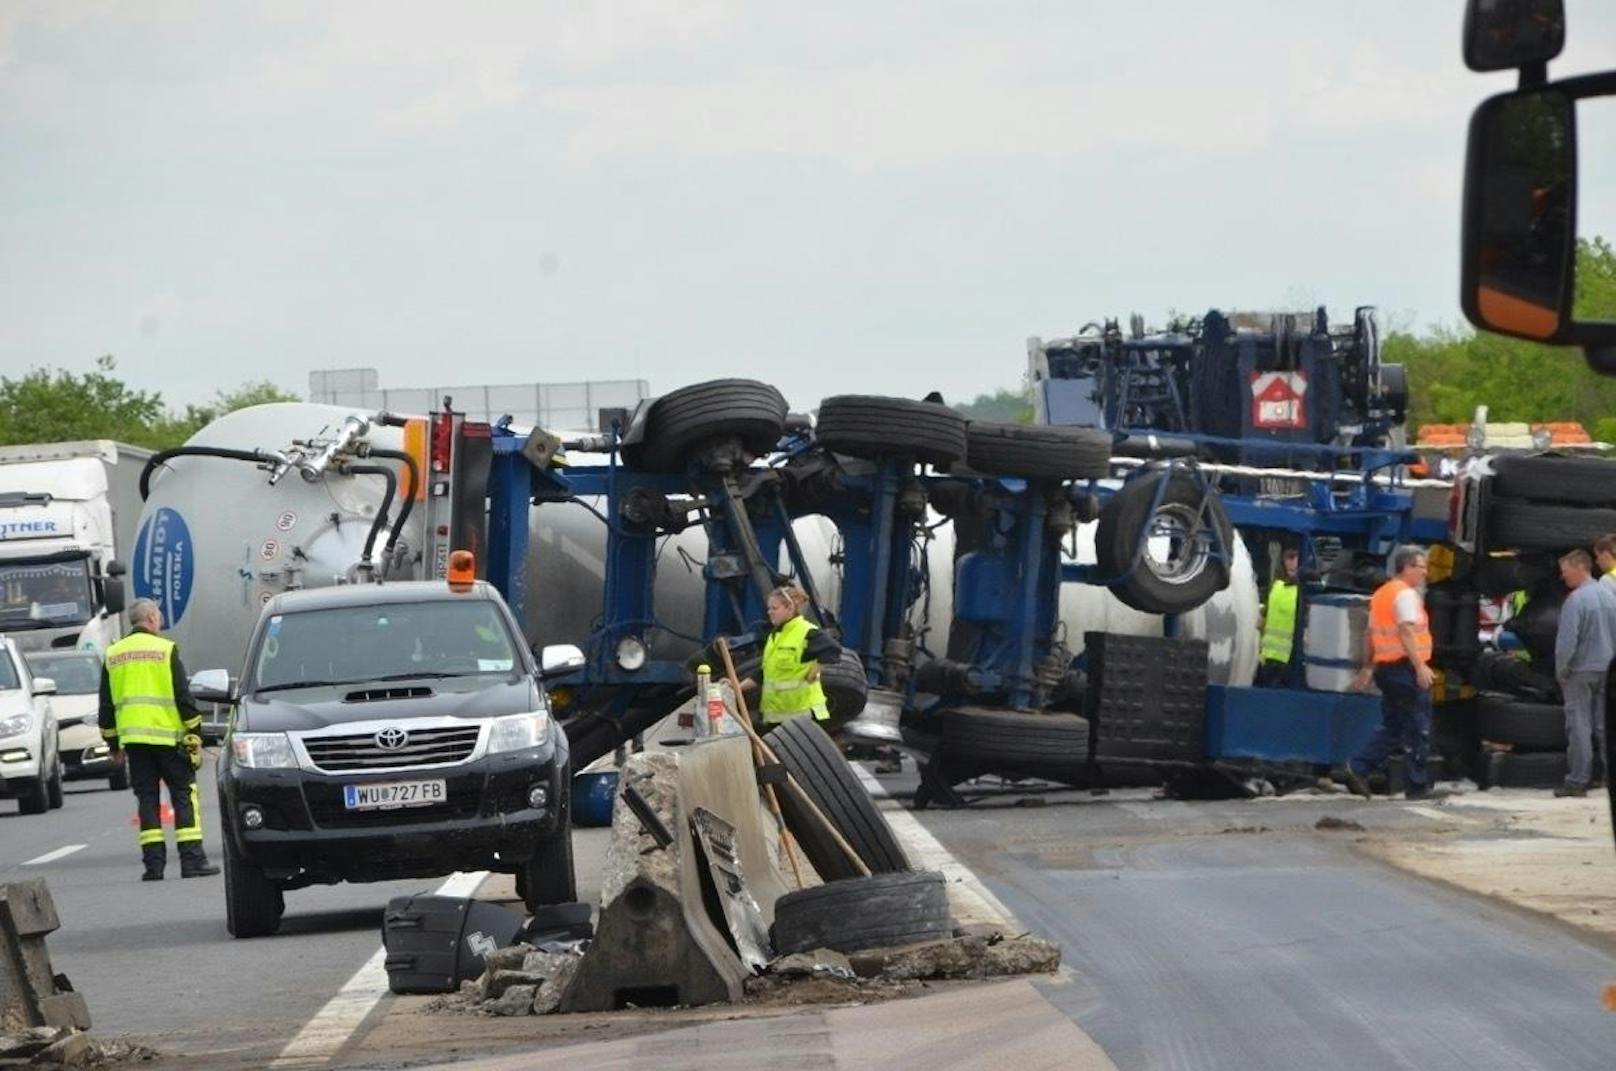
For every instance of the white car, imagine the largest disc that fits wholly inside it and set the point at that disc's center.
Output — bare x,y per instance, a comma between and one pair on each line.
77,704
30,750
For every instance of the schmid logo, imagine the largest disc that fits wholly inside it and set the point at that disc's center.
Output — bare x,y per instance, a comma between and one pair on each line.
164,564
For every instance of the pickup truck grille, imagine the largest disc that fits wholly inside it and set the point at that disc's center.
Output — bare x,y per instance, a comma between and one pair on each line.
359,751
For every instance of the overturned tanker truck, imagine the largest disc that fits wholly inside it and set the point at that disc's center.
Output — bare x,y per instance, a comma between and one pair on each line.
987,582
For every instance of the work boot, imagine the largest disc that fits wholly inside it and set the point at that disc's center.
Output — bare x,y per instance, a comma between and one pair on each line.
194,862
155,856
1569,789
1356,783
1423,792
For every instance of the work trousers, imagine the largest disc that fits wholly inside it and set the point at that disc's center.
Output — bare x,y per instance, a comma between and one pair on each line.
1405,717
150,767
1272,673
1585,723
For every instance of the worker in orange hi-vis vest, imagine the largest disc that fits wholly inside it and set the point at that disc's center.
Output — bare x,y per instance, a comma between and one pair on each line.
1397,655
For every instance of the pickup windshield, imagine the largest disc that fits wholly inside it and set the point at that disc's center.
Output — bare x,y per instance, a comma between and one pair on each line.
360,644
35,594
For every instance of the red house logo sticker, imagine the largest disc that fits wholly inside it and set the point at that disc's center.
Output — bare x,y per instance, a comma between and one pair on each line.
1278,400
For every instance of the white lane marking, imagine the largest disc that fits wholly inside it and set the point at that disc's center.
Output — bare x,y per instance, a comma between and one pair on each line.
928,853
335,1023
1429,812
60,853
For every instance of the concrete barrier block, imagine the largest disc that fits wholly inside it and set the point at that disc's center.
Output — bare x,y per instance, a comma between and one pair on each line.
660,940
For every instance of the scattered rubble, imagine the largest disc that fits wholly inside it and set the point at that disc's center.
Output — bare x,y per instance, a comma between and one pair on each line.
820,976
1330,821
52,1046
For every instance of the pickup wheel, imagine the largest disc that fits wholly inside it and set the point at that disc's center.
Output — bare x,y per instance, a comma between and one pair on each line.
548,877
253,904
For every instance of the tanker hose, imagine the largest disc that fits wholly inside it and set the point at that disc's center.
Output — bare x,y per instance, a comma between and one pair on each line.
380,522
410,490
257,457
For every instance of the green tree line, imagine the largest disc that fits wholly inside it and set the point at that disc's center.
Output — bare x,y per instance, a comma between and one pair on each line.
55,405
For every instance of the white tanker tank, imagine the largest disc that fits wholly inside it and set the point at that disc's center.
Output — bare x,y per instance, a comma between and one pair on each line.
216,540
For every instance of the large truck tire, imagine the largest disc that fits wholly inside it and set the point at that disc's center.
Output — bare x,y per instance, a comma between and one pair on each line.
1192,574
684,419
1513,524
814,761
846,688
1581,481
877,428
880,911
1012,742
1038,452
1532,769
1528,726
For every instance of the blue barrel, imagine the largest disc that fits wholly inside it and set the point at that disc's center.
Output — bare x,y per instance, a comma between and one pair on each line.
592,796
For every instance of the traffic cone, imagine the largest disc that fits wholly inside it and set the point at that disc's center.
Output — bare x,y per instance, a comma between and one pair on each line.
165,815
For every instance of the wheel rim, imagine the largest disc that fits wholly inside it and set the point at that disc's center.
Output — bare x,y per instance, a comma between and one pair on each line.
1175,553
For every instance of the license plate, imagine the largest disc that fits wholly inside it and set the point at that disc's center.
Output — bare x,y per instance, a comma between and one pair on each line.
394,794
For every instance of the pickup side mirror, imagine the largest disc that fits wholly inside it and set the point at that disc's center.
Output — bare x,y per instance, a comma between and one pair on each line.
559,658
212,686
44,686
1520,245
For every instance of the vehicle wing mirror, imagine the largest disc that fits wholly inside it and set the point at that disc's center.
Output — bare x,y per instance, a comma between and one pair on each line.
559,658
1503,34
116,568
1529,269
112,595
212,686
44,686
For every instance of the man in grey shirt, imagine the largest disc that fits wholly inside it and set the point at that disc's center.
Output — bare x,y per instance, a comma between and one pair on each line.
1584,645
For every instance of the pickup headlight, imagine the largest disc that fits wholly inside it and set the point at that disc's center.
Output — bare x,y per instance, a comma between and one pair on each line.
518,732
264,751
17,724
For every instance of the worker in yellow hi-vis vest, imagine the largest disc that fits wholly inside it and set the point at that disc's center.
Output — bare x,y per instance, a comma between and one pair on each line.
1279,622
792,656
151,722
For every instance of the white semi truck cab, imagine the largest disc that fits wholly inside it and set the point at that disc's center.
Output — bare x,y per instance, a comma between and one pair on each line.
68,513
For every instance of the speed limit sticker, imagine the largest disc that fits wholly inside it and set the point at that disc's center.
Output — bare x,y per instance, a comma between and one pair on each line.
286,521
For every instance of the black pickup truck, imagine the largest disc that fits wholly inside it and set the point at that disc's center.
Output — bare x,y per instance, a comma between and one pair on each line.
386,731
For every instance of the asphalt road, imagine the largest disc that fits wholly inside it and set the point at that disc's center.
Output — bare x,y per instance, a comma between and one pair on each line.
1198,936
1230,935
154,959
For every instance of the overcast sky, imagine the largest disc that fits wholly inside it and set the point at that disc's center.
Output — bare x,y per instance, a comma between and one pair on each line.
840,196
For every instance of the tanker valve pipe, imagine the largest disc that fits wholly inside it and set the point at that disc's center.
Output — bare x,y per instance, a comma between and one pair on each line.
354,427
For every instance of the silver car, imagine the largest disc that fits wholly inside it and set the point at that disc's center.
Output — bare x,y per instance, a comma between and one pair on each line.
77,674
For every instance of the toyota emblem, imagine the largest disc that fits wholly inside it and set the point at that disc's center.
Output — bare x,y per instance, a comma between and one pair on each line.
392,738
